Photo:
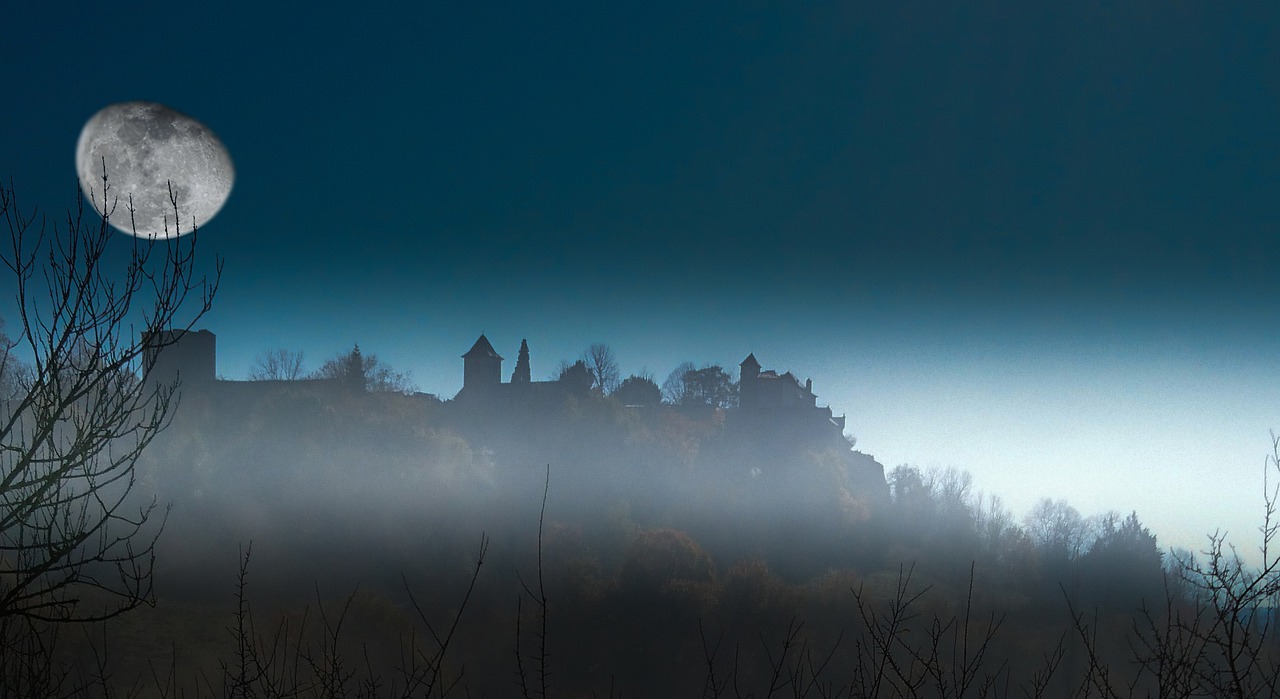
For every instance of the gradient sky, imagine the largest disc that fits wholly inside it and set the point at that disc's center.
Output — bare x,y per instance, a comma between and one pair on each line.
1035,240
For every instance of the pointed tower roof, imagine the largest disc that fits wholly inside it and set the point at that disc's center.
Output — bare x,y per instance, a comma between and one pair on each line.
750,361
481,348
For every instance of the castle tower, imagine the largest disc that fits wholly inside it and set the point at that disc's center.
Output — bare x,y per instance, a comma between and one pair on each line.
481,367
188,356
750,373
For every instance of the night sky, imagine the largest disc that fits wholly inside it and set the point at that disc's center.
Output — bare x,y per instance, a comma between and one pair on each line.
1035,240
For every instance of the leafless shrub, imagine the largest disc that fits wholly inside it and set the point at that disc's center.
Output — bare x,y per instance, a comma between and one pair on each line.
431,676
1216,634
897,655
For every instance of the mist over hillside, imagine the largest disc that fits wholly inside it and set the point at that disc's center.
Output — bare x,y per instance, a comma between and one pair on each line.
337,531
277,459
650,525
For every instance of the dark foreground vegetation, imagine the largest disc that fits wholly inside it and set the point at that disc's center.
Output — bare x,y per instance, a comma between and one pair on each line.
365,547
296,541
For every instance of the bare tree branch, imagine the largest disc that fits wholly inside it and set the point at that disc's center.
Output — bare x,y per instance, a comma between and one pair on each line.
91,311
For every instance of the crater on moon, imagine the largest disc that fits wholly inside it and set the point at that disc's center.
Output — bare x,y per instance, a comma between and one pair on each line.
146,147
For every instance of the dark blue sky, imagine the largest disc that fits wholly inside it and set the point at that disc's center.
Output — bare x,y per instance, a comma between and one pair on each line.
870,192
1066,153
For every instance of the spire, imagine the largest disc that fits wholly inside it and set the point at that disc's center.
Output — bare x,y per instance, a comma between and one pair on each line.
482,348
747,378
522,373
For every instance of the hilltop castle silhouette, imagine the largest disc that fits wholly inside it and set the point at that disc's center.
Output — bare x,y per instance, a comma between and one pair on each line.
776,424
764,396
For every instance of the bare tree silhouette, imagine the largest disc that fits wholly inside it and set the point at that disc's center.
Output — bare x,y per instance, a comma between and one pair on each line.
91,308
1215,633
604,368
277,365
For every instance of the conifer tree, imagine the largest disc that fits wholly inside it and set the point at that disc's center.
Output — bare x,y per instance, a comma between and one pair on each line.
354,370
522,373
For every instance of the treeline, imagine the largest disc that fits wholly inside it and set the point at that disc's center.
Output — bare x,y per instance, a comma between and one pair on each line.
680,551
942,522
669,564
687,385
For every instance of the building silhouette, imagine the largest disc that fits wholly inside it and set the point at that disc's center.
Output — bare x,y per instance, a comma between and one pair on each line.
188,357
779,396
482,381
777,416
189,360
768,402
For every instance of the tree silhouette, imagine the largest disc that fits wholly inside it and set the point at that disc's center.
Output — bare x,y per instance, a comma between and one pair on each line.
522,374
277,365
365,372
1057,529
604,368
1124,563
709,385
75,545
576,375
676,385
638,390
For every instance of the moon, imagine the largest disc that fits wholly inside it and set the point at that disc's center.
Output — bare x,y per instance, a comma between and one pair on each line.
148,147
